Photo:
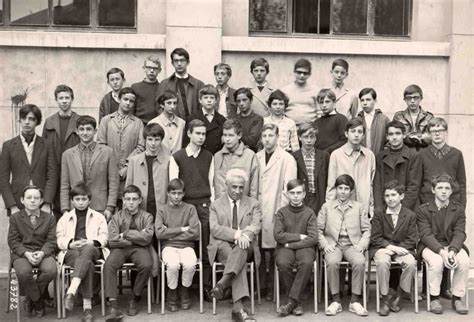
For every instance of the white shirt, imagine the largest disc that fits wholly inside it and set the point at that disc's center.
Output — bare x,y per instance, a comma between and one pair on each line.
208,115
28,147
394,214
369,118
222,109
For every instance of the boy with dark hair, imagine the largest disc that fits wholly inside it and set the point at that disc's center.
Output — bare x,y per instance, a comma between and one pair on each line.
32,242
393,238
82,239
251,122
374,120
130,235
27,159
331,125
442,228
346,99
261,90
296,234
172,124
177,226
93,164
414,118
110,102
211,118
185,85
227,106
146,91
149,169
288,137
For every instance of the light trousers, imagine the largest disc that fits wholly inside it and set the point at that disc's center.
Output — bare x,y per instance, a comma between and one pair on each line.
175,258
383,260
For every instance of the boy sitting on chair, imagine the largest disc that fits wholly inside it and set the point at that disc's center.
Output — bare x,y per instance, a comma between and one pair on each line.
394,238
177,225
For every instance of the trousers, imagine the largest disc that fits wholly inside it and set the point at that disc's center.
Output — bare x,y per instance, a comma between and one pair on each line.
30,287
83,262
383,260
174,258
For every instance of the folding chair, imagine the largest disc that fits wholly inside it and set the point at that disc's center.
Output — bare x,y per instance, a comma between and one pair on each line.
199,268
129,267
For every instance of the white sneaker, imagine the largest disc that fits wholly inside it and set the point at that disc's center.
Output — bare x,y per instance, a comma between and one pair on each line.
334,308
358,309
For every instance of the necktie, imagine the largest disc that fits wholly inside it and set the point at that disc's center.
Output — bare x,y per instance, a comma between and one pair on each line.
33,220
234,216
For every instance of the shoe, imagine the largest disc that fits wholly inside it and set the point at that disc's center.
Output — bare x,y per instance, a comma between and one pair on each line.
286,309
384,309
48,302
269,295
217,292
172,300
87,317
96,300
394,303
403,294
28,305
334,308
38,308
228,294
436,307
207,295
185,300
446,295
460,307
298,310
114,316
357,308
242,316
132,309
69,301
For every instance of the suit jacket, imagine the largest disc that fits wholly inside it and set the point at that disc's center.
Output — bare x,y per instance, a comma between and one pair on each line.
260,98
42,172
214,131
249,217
454,227
321,171
22,236
230,104
403,235
377,130
103,180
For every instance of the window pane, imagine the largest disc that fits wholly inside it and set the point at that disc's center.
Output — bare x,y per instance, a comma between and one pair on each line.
71,12
349,16
29,12
305,16
392,17
118,13
1,12
268,15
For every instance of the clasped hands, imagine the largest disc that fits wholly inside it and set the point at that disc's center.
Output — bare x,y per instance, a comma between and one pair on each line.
34,257
80,244
242,240
449,258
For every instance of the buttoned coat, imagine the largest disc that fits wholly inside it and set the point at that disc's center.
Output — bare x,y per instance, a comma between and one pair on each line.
260,98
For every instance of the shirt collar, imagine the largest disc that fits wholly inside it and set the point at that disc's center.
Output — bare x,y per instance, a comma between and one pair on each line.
36,213
191,153
308,153
441,207
90,147
223,91
23,140
181,77
341,205
394,211
207,113
231,201
347,148
444,150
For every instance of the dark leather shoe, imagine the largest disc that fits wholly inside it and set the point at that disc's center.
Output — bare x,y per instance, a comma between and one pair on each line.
286,309
207,295
298,310
218,292
49,302
185,300
173,300
87,317
242,316
446,295
269,295
384,309
394,303
69,302
114,316
460,307
96,300
436,307
38,308
132,309
28,306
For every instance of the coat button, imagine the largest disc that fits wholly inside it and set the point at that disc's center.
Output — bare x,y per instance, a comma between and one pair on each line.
144,183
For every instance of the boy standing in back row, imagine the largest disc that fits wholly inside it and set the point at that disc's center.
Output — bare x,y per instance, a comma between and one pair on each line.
346,100
146,90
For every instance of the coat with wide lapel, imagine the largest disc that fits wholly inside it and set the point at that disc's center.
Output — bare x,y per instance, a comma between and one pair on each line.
213,142
260,98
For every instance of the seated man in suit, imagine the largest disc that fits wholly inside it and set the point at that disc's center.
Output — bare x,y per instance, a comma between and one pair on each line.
442,228
235,221
344,233
394,237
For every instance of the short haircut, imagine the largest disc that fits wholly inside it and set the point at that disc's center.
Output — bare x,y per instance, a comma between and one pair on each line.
396,124
126,90
166,96
260,62
325,92
278,95
292,184
175,184
305,127
443,177
270,126
194,124
80,190
31,187
340,62
233,123
153,59
412,89
180,52
236,172
243,90
86,120
132,189
154,130
224,66
395,185
303,63
31,108
368,90
355,122
63,88
208,89
346,180
115,70
435,121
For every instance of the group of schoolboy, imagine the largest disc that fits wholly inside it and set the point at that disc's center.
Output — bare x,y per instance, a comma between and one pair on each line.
256,174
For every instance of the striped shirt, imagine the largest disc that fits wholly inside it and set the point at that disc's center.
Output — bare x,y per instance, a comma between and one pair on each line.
309,161
288,137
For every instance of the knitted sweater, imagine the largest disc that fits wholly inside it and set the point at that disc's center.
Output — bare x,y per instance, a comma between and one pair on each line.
302,105
146,105
169,221
291,222
332,129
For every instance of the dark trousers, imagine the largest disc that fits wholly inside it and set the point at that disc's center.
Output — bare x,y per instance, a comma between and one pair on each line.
203,215
268,259
83,262
311,201
34,289
140,256
301,259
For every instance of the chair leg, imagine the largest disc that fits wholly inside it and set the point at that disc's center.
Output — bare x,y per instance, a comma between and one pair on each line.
415,288
58,293
18,304
102,289
364,290
201,290
9,279
277,287
163,282
428,295
252,286
325,287
149,292
315,285
214,282
257,277
377,292
63,290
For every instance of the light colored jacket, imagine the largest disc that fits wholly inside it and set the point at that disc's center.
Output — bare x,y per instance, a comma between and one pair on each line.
274,176
260,98
96,229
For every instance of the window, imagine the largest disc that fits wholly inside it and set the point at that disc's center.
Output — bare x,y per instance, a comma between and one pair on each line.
90,14
331,17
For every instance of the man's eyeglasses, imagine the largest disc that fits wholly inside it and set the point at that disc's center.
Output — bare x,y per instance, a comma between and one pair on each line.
151,68
437,131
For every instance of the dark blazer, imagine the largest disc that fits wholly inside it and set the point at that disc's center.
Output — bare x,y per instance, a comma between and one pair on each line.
214,131
43,171
454,227
230,104
383,233
23,237
321,169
